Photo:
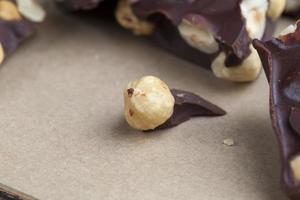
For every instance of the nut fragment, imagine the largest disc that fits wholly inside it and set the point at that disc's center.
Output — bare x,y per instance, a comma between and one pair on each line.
127,19
290,29
199,37
31,10
254,12
9,11
148,103
248,70
2,54
295,165
276,8
229,142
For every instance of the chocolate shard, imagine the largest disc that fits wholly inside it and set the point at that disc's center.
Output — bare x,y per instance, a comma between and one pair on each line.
280,58
236,41
188,105
223,17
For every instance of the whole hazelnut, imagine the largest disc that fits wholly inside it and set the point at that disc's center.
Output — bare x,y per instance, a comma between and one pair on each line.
148,103
31,10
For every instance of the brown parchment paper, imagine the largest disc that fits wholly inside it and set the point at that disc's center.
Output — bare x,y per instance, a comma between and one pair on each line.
63,135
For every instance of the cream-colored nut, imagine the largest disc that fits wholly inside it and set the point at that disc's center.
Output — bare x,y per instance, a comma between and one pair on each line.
276,8
2,54
148,103
9,11
292,5
290,29
199,37
31,10
127,19
255,13
295,166
229,142
248,70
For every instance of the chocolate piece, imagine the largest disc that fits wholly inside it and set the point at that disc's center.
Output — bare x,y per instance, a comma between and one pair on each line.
223,17
188,105
224,21
280,58
294,119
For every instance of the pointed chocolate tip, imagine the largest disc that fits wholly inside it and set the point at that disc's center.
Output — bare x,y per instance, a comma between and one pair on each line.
188,105
264,54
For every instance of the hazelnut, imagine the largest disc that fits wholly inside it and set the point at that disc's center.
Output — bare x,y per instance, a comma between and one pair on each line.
295,165
248,70
255,13
9,11
127,19
276,8
198,36
148,103
31,10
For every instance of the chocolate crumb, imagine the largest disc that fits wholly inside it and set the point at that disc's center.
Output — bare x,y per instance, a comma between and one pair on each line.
229,142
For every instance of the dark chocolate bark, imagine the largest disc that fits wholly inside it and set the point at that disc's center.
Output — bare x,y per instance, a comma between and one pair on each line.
188,105
223,17
280,58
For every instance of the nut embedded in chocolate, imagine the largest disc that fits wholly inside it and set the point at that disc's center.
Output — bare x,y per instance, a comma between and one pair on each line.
216,35
151,105
280,58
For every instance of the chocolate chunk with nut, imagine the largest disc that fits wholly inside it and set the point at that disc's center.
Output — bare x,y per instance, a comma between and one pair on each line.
280,58
214,34
18,20
151,105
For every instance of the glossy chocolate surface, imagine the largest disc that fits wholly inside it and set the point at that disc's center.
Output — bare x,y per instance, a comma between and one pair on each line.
223,18
281,61
188,105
